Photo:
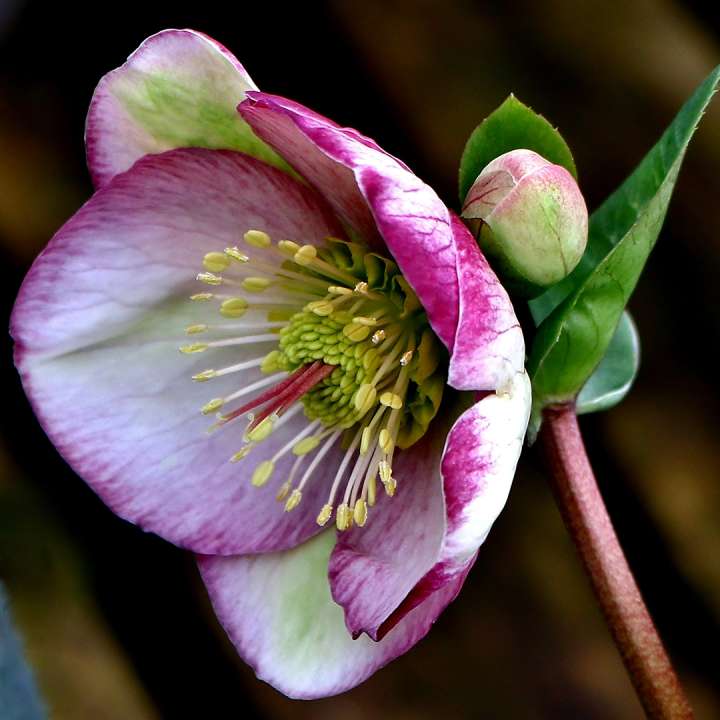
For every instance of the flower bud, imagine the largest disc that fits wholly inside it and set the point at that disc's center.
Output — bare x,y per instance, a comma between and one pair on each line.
534,219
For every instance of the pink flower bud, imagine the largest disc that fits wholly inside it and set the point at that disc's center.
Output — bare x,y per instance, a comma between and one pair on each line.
535,220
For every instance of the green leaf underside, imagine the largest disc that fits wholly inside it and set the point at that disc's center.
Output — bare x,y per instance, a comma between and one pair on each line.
577,318
615,374
513,126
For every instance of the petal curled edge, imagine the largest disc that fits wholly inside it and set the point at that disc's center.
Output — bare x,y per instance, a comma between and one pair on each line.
278,612
97,325
372,192
180,88
379,578
489,348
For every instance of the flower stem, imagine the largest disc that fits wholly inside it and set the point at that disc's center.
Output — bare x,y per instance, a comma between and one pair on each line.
585,515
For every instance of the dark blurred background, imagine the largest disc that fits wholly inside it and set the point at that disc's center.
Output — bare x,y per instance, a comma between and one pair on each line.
116,623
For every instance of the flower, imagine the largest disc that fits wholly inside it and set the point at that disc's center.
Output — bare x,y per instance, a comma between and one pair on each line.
330,308
535,221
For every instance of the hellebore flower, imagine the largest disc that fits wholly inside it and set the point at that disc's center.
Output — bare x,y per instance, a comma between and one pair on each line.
334,301
535,221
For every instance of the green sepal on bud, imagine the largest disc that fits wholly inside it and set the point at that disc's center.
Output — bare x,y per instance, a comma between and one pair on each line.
533,220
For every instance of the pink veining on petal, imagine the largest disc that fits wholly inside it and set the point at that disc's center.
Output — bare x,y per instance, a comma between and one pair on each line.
371,191
489,347
97,326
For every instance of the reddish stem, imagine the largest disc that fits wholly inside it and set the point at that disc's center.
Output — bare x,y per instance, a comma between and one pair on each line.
587,520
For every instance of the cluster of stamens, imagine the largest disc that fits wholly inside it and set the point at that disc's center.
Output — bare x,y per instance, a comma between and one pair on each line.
346,353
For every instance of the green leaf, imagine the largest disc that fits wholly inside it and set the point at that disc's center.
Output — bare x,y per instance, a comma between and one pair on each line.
575,329
615,374
512,126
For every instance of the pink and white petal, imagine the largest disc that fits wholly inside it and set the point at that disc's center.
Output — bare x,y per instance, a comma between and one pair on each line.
378,588
180,88
97,324
372,569
372,192
279,614
489,348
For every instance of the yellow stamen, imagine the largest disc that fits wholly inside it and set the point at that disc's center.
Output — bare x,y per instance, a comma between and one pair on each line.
338,290
240,454
200,297
365,397
288,247
390,486
306,445
378,337
256,284
372,489
257,238
212,406
262,473
406,358
234,307
216,262
261,431
361,320
204,375
356,333
236,254
293,501
209,278
360,513
195,329
324,515
385,471
385,441
392,400
283,491
343,517
305,255
193,348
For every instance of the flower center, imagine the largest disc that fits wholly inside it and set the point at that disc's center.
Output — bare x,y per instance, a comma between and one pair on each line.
353,350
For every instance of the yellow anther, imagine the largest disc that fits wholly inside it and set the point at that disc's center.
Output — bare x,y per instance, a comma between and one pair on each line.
372,489
261,431
257,238
234,307
365,439
356,333
241,453
385,441
195,329
360,513
343,517
212,406
392,400
406,357
362,320
339,290
306,445
288,247
216,262
293,501
365,397
200,297
283,491
320,307
324,515
235,253
270,363
209,278
262,473
378,337
305,255
361,288
204,375
385,471
193,348
390,486
256,284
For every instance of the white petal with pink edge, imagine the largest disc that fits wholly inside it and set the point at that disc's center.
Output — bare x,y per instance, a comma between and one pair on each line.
279,614
180,88
97,326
